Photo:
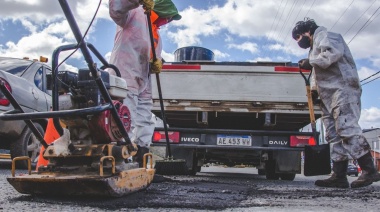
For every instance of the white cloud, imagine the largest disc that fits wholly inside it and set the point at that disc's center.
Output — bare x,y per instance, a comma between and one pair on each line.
246,46
67,67
262,59
235,19
365,72
220,55
29,25
42,43
168,57
107,56
364,46
370,118
31,46
47,26
194,23
228,38
376,62
257,20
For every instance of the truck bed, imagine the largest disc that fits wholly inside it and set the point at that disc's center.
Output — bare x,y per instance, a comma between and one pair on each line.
248,96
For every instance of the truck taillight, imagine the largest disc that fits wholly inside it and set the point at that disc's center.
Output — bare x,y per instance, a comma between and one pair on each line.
3,100
300,141
159,137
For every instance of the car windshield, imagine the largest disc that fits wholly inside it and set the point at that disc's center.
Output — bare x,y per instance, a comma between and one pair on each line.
13,65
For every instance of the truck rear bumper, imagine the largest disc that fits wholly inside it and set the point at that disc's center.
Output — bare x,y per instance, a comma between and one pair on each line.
260,148
190,146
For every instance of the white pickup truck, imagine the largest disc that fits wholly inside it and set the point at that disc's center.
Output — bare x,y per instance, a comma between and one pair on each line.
235,113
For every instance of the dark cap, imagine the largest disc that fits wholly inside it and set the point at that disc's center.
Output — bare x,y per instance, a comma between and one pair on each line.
304,26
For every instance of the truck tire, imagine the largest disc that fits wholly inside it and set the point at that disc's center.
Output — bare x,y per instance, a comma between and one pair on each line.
195,168
229,164
270,170
26,145
288,176
261,171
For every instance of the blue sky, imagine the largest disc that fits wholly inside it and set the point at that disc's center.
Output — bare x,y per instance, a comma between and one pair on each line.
235,30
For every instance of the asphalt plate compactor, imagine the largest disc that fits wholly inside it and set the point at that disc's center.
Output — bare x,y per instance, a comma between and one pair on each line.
91,156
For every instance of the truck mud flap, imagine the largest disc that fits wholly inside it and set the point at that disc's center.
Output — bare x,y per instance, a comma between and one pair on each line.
288,161
317,160
120,184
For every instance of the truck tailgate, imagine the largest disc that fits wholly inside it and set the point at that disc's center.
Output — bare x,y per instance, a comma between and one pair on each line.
227,83
233,97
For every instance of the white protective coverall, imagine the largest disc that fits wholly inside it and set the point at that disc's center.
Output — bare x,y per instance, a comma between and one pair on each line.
339,89
131,55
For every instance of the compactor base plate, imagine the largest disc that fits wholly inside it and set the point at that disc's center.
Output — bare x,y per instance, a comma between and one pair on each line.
116,185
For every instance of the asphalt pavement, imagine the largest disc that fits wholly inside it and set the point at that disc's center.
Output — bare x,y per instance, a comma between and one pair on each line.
215,188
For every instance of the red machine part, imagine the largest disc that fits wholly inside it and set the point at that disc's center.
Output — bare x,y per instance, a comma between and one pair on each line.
103,126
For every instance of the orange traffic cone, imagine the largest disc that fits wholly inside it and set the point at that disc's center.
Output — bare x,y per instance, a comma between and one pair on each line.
51,135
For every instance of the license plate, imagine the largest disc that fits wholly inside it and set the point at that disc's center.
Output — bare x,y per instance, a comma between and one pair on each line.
234,140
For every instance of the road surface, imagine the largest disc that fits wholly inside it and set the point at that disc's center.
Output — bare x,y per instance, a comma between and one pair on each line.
215,188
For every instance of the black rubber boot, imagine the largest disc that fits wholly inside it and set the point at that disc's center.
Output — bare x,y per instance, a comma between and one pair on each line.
369,172
338,179
140,155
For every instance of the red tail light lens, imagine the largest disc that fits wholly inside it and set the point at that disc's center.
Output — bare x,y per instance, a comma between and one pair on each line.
156,136
300,141
159,137
3,100
312,141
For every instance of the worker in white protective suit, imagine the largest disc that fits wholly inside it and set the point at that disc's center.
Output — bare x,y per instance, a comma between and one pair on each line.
339,89
131,54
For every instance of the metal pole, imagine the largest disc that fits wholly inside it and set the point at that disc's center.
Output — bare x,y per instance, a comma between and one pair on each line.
159,86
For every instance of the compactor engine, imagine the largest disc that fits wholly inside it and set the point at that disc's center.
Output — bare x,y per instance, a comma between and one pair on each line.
79,90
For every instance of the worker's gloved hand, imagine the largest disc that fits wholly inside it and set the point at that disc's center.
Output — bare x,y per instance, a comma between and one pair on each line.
156,66
147,4
304,64
315,97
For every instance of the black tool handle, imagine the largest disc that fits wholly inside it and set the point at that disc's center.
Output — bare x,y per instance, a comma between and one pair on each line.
159,86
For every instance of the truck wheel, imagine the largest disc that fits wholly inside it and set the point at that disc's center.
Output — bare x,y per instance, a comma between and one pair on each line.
195,170
195,167
229,164
261,171
270,170
26,145
289,177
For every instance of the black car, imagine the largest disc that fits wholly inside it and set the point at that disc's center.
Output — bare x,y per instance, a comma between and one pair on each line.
352,170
